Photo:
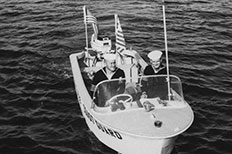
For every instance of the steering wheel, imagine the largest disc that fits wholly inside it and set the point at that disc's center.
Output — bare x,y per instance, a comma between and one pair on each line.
125,98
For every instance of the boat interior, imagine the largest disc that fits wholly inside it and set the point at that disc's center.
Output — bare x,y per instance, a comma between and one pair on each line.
134,92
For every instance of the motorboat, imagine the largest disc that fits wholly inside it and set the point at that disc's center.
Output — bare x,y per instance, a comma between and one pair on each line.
138,114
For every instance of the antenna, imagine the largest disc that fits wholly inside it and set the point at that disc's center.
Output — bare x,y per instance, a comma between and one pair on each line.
166,49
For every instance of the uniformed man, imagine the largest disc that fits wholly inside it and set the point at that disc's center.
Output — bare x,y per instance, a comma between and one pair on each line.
155,67
155,86
110,71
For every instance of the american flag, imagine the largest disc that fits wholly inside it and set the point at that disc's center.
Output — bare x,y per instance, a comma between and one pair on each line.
120,41
89,18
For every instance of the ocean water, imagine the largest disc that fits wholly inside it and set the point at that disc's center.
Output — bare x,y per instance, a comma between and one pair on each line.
39,112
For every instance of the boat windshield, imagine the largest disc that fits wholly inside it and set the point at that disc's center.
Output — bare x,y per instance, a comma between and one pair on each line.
154,86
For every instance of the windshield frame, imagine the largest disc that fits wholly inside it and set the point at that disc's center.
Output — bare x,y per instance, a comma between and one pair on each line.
175,83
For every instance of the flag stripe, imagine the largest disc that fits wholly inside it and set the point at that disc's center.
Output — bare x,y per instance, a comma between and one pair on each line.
95,29
119,35
119,49
120,44
120,41
89,18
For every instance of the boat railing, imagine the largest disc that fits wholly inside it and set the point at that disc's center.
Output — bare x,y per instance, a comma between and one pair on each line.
147,88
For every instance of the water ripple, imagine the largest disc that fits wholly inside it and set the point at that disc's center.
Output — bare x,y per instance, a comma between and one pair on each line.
39,111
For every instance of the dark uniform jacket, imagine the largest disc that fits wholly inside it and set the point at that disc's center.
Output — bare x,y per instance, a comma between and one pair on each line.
108,89
101,76
150,71
155,86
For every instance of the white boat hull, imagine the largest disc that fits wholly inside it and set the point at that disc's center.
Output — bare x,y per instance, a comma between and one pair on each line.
121,141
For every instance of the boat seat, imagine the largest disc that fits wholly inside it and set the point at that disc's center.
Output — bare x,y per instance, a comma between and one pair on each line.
131,72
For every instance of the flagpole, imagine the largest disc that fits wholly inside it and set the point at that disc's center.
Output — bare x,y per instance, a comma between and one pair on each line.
115,26
86,34
166,49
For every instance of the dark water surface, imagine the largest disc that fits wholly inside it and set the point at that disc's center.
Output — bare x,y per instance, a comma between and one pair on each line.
39,113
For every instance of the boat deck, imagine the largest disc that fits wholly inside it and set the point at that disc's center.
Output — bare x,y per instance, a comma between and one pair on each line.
141,123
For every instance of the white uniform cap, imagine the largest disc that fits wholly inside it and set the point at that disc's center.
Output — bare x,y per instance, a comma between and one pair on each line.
110,56
155,55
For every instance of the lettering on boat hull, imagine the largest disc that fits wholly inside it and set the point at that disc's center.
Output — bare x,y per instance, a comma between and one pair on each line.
101,127
78,97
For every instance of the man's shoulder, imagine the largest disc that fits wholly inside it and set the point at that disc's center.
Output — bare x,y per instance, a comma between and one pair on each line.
119,73
148,67
100,71
148,70
119,69
163,70
98,77
98,74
